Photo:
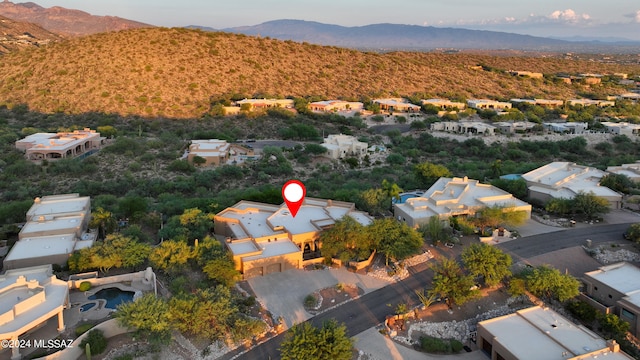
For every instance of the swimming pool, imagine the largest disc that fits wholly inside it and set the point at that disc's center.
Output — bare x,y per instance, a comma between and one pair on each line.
87,306
113,296
405,196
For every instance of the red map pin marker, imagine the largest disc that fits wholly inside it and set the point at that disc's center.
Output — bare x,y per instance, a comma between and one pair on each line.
293,193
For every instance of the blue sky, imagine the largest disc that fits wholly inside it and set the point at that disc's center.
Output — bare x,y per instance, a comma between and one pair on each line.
559,18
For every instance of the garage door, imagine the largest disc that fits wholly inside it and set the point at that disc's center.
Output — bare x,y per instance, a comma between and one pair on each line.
273,268
251,273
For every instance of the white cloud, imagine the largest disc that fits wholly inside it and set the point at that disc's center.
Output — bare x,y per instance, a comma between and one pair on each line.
568,15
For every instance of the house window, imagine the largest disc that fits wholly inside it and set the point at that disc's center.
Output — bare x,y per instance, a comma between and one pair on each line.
628,314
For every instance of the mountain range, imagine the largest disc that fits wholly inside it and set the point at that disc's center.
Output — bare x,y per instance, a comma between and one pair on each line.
178,73
63,21
413,37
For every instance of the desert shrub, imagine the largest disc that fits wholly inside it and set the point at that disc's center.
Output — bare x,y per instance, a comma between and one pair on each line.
456,346
81,329
583,311
433,345
84,286
310,301
96,341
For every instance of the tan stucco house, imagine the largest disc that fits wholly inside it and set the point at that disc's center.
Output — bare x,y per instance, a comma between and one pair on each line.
265,238
54,146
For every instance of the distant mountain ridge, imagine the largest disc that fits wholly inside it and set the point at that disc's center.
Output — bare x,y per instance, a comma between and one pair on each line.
407,37
64,21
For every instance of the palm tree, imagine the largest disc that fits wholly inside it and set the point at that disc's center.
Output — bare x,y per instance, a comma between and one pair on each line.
104,221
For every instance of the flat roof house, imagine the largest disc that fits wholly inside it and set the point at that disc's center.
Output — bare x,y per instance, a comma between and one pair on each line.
541,333
565,180
511,127
28,298
567,127
219,152
453,197
335,106
615,289
54,146
255,104
539,102
265,238
621,128
464,127
56,226
484,104
632,171
444,104
533,75
341,146
397,105
590,102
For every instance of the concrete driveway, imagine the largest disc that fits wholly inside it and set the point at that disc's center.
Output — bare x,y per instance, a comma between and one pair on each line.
378,347
283,293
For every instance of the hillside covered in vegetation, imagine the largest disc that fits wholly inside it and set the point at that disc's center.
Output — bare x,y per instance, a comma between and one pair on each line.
176,72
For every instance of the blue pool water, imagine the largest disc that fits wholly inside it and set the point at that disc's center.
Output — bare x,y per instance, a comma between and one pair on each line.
87,306
405,196
113,296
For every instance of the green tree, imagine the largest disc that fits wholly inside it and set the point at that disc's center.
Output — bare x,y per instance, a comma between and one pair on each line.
559,206
199,160
374,201
148,314
107,131
435,230
196,222
590,205
451,283
171,255
517,188
222,270
315,149
427,173
132,206
391,189
500,215
394,239
304,341
548,282
487,261
104,221
612,326
633,233
618,182
207,314
347,240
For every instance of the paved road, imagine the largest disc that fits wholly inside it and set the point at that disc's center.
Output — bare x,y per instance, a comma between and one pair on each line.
530,246
371,309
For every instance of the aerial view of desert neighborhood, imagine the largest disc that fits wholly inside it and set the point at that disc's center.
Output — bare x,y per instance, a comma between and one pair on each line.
300,190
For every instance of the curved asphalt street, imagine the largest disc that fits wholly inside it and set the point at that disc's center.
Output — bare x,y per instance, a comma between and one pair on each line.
372,308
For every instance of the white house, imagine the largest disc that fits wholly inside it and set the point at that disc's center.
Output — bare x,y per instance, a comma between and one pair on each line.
342,146
484,104
621,128
565,180
454,197
444,104
567,127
